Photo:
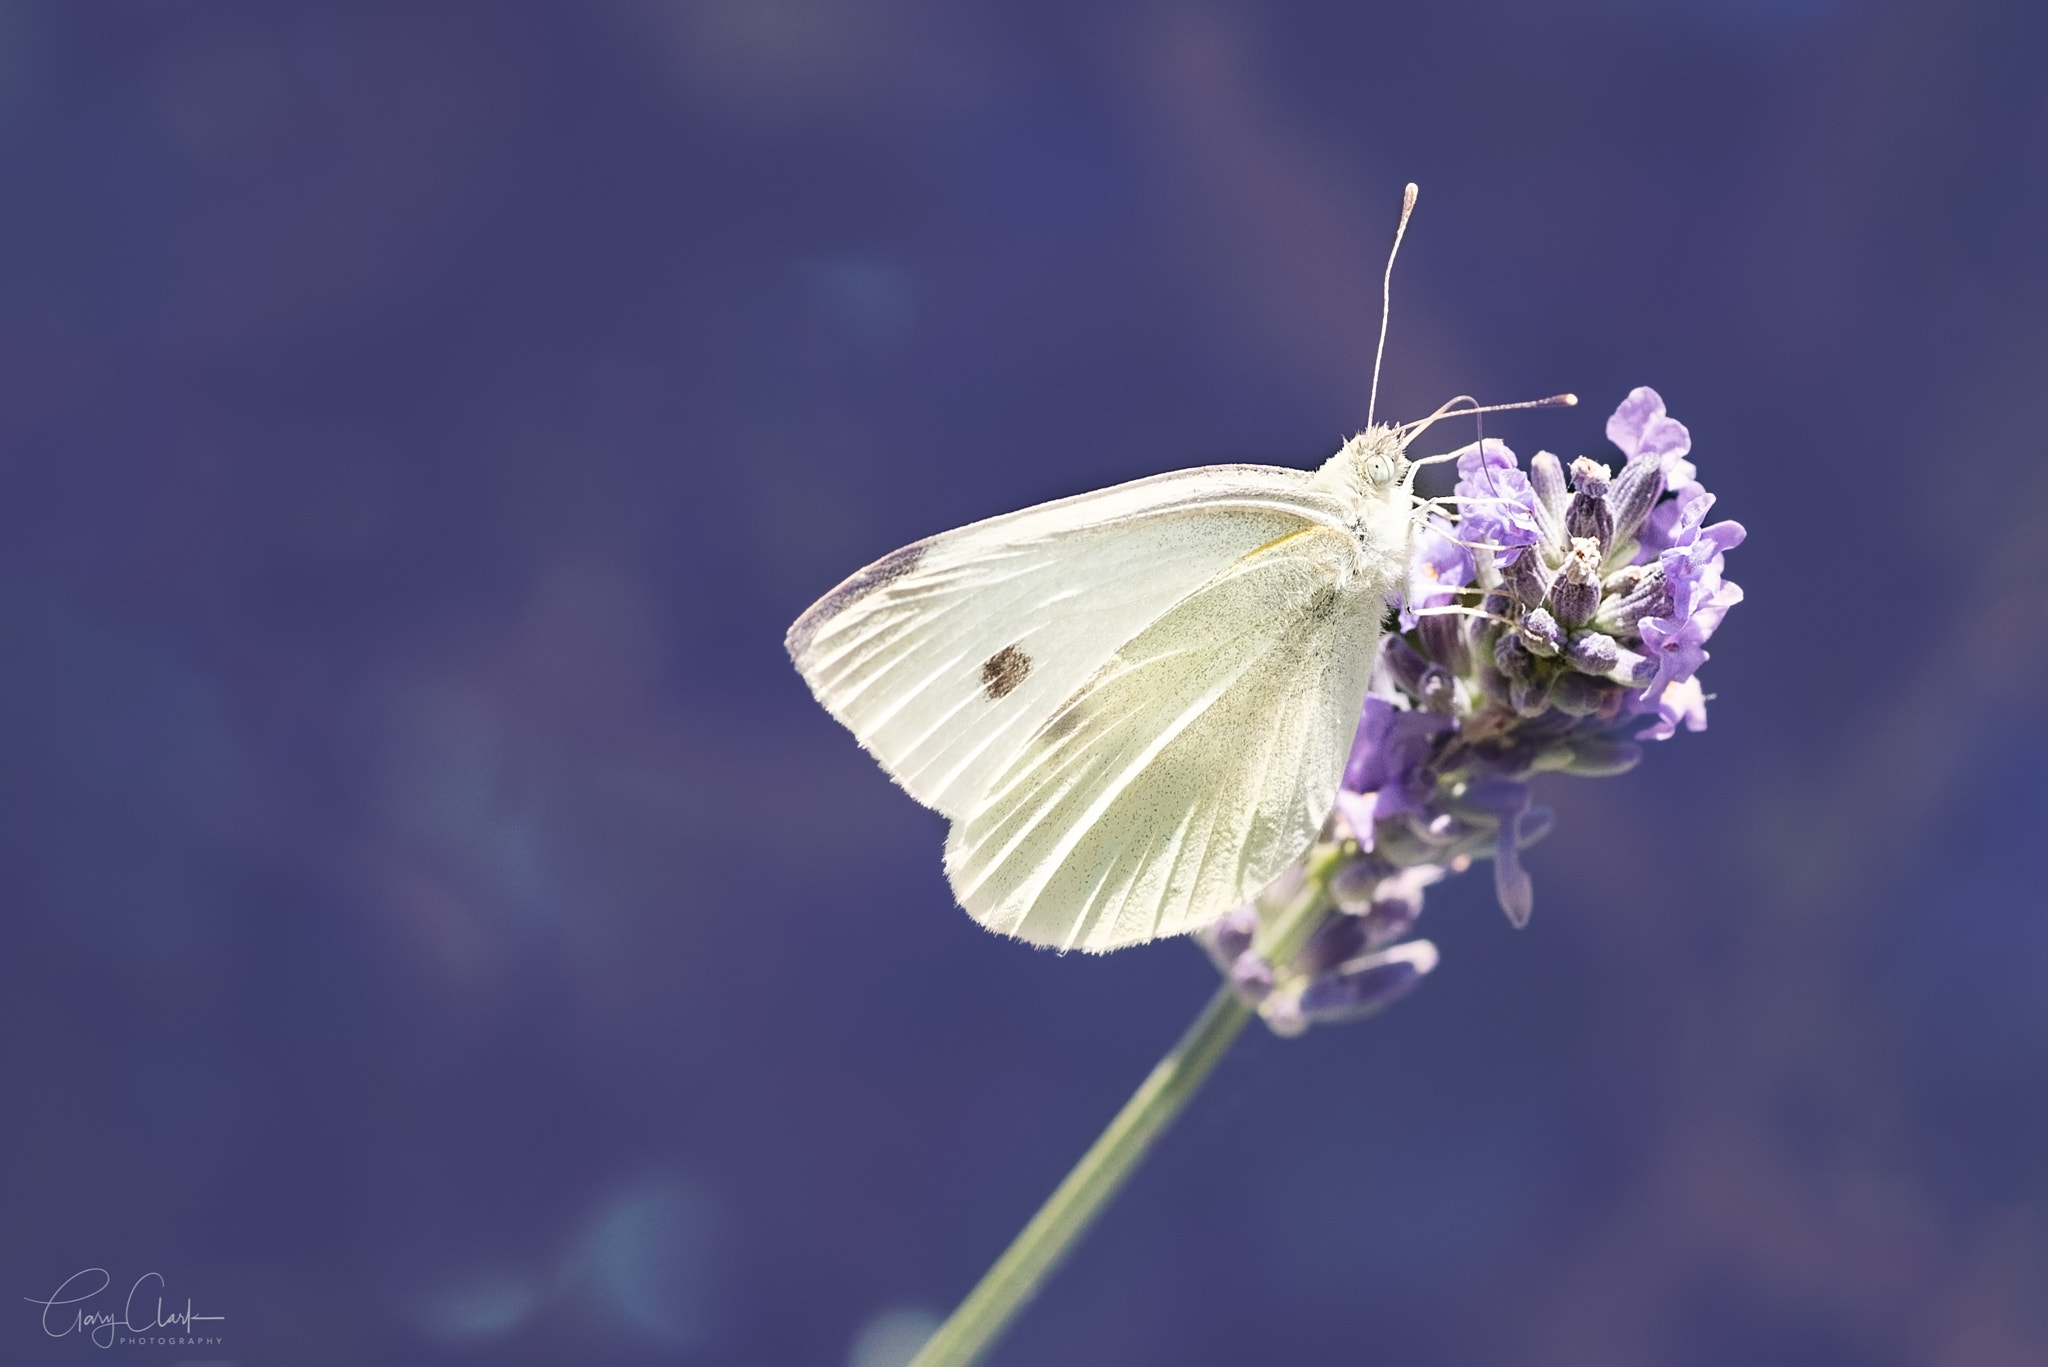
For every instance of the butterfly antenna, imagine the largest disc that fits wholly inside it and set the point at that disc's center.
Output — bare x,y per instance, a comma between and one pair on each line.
1410,431
1387,297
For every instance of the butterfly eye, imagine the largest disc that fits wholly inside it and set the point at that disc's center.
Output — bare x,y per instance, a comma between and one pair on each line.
1379,469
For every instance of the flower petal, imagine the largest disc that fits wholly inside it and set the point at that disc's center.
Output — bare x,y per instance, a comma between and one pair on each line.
1359,811
1640,427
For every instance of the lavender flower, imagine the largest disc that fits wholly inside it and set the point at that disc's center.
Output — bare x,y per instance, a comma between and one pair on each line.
1579,604
1437,568
1505,512
1699,597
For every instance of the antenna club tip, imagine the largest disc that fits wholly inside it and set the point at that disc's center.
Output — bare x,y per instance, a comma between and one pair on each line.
1569,400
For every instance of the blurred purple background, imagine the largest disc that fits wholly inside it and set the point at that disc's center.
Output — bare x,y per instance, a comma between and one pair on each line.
440,927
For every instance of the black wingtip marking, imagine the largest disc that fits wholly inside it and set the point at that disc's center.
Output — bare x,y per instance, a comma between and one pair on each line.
856,586
1003,671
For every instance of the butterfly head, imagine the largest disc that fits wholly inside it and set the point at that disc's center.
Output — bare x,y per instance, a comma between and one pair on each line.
1372,473
1372,467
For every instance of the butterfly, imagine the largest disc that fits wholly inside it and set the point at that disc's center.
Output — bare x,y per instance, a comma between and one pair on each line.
1134,705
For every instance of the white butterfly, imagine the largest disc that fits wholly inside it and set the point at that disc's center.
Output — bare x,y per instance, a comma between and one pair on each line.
1134,705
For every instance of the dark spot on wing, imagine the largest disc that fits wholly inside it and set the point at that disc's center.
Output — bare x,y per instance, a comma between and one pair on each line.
1003,671
857,586
1323,606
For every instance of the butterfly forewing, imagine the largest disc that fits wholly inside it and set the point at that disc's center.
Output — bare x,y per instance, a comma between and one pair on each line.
947,657
1190,767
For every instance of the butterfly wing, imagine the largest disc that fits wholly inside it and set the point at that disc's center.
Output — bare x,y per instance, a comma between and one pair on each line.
1191,768
945,657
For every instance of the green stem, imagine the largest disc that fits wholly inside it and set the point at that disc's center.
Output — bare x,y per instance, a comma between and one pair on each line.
1059,1224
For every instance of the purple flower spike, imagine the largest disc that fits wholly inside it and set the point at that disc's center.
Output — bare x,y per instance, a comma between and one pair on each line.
1587,628
1487,470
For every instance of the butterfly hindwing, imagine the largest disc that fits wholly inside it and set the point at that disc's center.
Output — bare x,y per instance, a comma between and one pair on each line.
946,657
1193,764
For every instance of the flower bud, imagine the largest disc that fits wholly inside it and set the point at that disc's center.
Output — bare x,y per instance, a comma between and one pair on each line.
1231,934
1546,479
1575,596
1341,936
1391,917
1512,658
1647,596
1541,633
1443,639
1528,579
1635,493
1493,685
1588,516
1368,984
1355,883
1602,756
1590,477
1391,901
1592,652
1529,696
1513,761
1402,662
1399,843
1633,670
1251,977
1437,691
1618,583
1282,1014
